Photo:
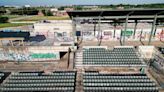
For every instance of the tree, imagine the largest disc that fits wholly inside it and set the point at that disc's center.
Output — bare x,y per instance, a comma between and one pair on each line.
4,19
2,11
44,12
24,11
49,13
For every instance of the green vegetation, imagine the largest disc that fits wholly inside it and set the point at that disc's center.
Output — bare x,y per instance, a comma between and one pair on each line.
3,25
129,6
47,12
125,6
37,18
3,19
24,11
2,10
12,16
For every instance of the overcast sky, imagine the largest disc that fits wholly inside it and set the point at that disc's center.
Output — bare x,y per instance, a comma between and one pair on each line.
75,2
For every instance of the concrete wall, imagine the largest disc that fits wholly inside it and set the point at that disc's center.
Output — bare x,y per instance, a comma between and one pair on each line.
107,31
50,29
146,51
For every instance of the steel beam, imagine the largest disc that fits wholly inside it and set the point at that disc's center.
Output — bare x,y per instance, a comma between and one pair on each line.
74,29
135,28
148,17
124,32
126,24
99,32
94,29
153,28
114,30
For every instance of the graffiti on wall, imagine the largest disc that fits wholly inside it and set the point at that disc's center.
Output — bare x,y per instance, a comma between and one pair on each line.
10,56
161,35
143,34
127,33
43,55
88,35
107,35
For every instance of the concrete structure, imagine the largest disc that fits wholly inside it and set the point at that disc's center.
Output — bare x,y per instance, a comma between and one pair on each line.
120,17
46,41
60,30
51,28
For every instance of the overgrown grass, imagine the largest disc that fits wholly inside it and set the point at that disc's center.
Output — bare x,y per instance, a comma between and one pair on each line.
12,16
3,25
37,18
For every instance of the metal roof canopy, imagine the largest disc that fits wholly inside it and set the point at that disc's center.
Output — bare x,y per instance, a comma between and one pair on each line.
134,14
131,14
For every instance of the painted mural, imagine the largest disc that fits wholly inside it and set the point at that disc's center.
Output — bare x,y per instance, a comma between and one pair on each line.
58,36
89,35
43,55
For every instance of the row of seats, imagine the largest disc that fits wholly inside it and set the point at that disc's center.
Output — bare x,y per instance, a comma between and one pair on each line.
114,74
108,51
39,89
111,57
43,77
95,54
58,81
40,85
98,82
124,49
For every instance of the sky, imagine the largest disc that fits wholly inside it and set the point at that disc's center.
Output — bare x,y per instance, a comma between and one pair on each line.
74,2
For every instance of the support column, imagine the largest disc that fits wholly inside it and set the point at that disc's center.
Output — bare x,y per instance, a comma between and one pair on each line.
94,29
1,43
126,24
141,35
22,43
74,29
11,43
135,28
99,40
153,28
114,30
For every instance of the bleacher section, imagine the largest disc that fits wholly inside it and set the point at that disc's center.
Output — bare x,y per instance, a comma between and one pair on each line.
115,57
161,49
58,81
3,76
97,82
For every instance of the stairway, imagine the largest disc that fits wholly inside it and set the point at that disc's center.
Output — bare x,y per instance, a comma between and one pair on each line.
79,58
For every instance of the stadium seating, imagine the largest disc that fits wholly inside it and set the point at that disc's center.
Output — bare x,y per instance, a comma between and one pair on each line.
117,57
3,76
59,81
97,82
